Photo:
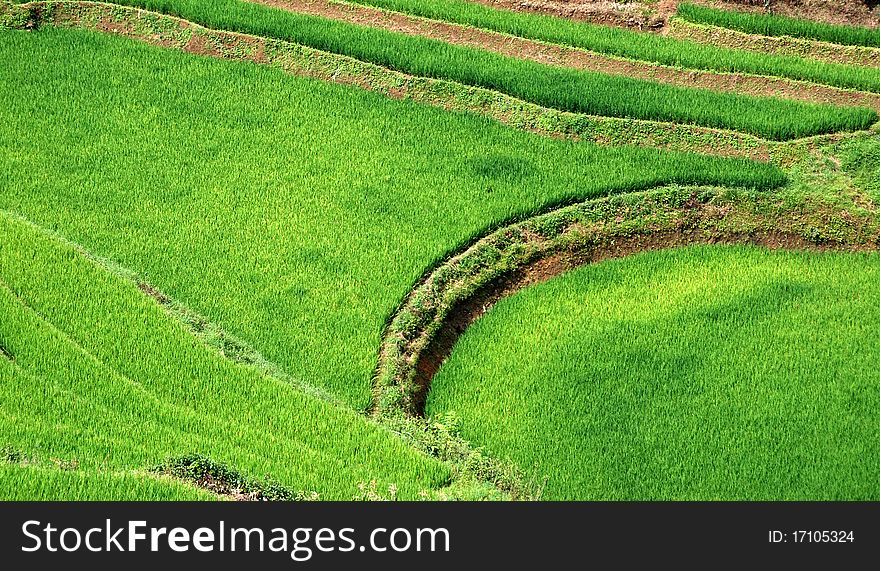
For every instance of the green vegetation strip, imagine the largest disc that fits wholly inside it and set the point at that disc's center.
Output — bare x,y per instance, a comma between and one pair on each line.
556,87
777,25
217,183
782,45
709,373
649,47
105,380
171,32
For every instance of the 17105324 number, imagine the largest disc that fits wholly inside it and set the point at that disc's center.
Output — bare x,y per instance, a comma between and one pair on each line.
823,536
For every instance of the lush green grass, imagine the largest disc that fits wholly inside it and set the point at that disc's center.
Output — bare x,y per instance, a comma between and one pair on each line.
98,375
27,483
556,87
643,46
705,373
860,158
776,25
295,214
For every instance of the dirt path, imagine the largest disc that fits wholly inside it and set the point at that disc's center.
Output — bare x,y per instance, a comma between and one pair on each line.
575,58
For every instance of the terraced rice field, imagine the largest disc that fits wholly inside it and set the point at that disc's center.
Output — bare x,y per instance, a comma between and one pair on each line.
206,200
706,373
235,279
635,45
776,25
548,86
99,375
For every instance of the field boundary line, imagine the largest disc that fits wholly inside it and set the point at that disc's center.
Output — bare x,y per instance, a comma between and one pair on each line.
683,29
423,330
206,331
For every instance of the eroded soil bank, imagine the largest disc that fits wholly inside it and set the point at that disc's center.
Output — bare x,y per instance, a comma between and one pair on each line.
424,330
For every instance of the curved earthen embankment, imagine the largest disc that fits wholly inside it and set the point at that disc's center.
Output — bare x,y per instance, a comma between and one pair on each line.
423,331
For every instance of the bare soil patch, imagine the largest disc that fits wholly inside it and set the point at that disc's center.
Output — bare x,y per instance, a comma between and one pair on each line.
851,12
623,14
154,293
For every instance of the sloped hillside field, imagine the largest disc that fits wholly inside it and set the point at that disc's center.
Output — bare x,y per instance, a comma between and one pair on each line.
98,377
293,213
309,250
704,373
775,25
550,86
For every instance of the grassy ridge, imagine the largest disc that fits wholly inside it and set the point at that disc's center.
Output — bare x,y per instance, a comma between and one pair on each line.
555,87
702,373
642,46
96,374
27,483
776,25
293,213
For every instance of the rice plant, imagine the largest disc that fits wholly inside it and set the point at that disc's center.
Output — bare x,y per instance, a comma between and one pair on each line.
643,46
777,25
102,382
293,213
549,86
711,373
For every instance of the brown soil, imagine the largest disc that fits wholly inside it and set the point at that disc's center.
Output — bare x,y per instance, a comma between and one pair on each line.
128,28
154,293
666,8
199,45
577,59
852,12
782,45
622,14
469,310
109,26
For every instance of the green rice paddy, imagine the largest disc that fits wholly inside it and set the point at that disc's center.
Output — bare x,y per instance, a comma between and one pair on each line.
198,259
707,373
